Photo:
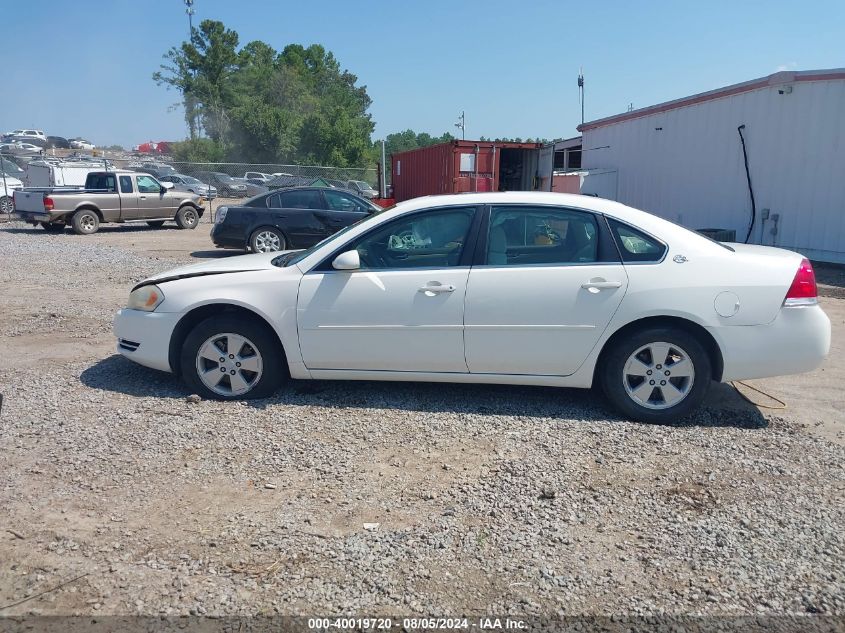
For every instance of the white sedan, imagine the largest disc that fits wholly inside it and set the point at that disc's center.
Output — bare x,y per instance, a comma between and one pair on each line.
508,288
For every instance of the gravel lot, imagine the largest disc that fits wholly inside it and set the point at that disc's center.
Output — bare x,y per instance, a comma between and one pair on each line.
375,498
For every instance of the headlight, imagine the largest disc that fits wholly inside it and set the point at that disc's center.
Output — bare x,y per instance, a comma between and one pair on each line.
146,298
220,215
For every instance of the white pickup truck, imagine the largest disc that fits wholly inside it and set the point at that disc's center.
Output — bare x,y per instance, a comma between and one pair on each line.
108,196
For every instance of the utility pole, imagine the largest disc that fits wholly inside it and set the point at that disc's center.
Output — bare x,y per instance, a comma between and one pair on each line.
462,124
189,9
383,191
581,91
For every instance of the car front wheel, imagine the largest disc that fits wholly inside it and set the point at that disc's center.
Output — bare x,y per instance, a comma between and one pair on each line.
657,375
187,218
232,358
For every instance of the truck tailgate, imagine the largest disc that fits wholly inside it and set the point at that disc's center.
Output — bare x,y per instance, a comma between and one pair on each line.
29,201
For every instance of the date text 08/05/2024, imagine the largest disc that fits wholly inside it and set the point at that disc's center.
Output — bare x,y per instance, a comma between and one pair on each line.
424,623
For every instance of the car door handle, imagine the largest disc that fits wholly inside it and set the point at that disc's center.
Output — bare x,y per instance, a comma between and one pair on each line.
596,285
435,288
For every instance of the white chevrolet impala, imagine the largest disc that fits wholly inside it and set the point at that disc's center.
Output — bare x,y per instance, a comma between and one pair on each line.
507,288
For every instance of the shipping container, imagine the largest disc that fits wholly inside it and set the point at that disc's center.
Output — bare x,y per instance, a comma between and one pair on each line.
463,166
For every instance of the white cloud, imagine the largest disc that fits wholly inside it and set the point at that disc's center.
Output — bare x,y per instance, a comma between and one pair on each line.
787,66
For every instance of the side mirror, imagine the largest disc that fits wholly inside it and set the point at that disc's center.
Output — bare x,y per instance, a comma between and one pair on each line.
165,186
350,260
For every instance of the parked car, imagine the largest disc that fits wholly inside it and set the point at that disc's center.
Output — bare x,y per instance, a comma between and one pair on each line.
58,142
227,186
181,182
28,140
39,134
138,198
81,143
292,218
20,149
524,288
257,175
362,188
255,187
8,185
158,170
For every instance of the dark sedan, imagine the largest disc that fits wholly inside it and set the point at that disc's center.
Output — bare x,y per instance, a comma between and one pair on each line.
288,219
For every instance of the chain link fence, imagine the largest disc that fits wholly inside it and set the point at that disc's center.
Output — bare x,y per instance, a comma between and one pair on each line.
220,182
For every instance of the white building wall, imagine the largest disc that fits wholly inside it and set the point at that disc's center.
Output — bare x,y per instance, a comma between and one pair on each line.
691,171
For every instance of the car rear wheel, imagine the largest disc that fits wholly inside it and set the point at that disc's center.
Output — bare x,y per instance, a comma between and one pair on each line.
267,240
657,375
156,224
187,218
85,222
53,227
232,358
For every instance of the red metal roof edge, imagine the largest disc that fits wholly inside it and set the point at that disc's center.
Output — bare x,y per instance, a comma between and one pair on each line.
774,79
472,144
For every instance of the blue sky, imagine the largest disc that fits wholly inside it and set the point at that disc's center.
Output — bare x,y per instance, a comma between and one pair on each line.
84,68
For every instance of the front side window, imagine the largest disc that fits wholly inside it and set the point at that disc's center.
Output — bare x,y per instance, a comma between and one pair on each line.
541,235
341,202
147,184
300,200
636,246
126,184
429,239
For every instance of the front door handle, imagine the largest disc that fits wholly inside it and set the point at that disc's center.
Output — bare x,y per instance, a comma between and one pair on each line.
435,288
597,285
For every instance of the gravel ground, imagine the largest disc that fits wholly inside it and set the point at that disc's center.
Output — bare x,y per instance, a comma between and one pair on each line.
378,498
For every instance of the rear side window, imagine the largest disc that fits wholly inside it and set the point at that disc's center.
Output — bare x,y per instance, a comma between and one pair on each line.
273,202
636,246
301,200
102,182
526,235
126,184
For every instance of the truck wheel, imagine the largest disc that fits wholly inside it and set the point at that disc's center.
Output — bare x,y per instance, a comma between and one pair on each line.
85,222
187,218
156,224
53,227
6,204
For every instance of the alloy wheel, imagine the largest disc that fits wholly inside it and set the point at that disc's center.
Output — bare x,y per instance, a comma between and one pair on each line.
267,241
229,364
658,375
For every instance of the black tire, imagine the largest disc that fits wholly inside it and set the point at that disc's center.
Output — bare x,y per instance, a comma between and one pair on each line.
267,239
259,339
616,380
6,205
85,222
156,224
53,227
187,217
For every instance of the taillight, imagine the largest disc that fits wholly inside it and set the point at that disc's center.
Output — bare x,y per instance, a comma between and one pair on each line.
803,290
48,203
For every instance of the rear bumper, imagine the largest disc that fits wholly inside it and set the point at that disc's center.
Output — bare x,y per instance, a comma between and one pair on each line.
144,337
33,216
798,340
224,238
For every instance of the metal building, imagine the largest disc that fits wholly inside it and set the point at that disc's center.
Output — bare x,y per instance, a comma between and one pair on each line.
684,160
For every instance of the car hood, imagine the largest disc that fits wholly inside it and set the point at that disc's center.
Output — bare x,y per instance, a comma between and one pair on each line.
226,265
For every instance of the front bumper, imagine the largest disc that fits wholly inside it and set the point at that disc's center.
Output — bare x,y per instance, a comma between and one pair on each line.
798,340
144,337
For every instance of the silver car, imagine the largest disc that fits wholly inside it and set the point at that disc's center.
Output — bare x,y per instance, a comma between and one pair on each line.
181,182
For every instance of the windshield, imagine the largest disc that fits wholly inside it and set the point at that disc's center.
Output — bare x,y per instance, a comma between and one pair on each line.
191,181
225,178
361,184
289,259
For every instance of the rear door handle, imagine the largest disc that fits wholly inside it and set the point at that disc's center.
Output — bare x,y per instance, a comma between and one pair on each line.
435,288
597,285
